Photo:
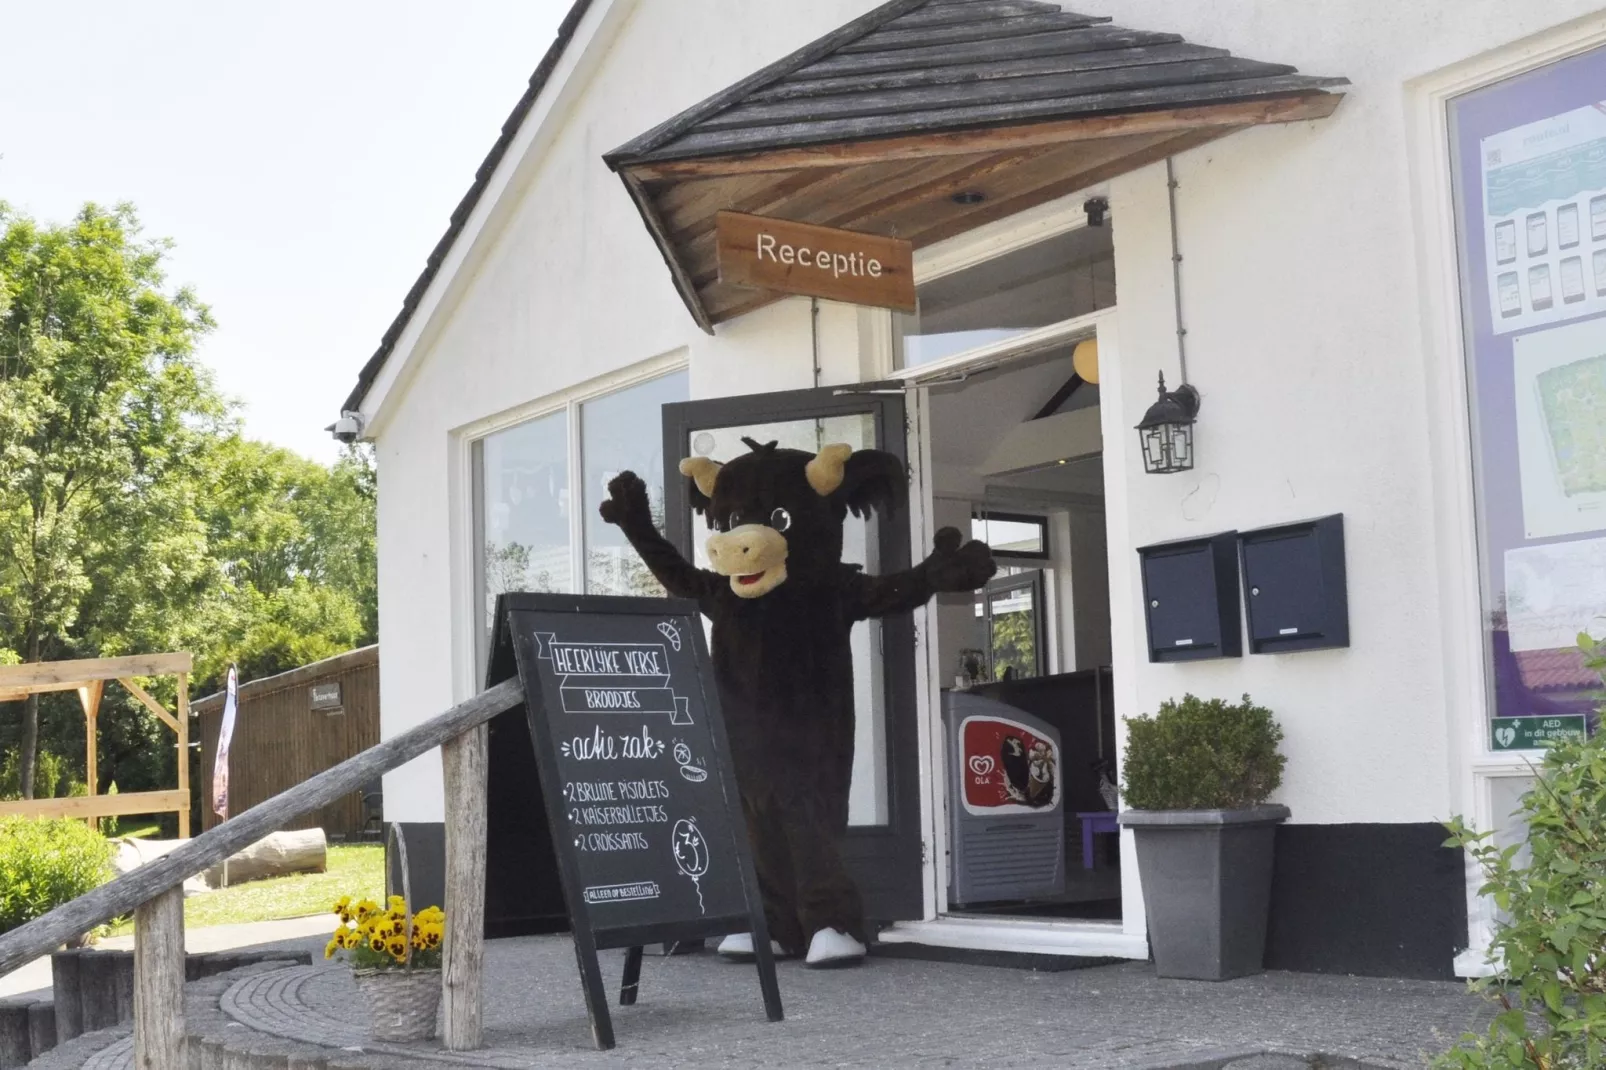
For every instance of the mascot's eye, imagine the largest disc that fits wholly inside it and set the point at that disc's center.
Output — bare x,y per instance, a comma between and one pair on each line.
780,520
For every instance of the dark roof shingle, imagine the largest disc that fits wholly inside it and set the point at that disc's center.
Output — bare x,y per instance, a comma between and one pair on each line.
929,66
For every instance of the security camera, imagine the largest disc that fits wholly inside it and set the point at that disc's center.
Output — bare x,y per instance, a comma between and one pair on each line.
1096,208
347,428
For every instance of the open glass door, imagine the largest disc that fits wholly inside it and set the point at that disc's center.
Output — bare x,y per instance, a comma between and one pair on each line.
882,847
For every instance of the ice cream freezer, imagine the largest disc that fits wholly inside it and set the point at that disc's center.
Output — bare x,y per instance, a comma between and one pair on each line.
1007,802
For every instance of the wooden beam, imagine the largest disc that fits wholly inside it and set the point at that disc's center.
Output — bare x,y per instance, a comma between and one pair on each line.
465,762
134,802
184,753
852,194
124,894
1071,183
1259,111
151,704
41,675
159,981
89,696
17,694
727,303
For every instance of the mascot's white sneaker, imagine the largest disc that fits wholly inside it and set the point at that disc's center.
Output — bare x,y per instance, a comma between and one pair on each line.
831,948
738,947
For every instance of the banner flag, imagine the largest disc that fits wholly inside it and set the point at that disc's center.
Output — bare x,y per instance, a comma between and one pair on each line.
220,771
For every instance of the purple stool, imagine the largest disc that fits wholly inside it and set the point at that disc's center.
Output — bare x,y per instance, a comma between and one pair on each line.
1092,824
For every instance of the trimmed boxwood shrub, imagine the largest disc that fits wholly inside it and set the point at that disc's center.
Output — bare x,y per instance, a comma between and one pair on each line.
1202,754
45,863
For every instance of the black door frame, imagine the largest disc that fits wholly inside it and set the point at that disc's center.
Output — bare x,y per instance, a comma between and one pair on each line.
886,860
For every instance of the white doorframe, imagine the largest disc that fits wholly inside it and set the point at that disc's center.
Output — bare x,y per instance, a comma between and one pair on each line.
1127,938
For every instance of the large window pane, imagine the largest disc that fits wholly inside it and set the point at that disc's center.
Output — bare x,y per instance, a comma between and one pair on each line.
1053,280
1529,176
623,432
522,492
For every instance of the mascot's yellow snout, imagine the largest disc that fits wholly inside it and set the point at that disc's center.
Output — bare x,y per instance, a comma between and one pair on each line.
753,556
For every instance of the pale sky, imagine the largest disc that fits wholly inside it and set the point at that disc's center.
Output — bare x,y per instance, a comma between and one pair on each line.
303,156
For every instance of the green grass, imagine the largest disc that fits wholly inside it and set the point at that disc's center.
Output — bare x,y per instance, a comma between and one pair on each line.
357,871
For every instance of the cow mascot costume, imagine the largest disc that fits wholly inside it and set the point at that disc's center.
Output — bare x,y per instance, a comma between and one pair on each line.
782,604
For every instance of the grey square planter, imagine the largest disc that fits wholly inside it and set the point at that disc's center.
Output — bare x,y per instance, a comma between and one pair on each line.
1206,887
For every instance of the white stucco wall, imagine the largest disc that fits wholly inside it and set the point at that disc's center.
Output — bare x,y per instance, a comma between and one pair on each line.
1304,340
572,289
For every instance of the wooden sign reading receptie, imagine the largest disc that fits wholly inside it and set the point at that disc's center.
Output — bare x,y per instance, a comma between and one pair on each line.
801,258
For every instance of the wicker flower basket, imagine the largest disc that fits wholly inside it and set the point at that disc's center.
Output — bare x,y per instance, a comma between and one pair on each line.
401,1003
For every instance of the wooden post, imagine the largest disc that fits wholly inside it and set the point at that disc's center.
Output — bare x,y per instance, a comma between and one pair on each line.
89,697
465,761
159,981
184,753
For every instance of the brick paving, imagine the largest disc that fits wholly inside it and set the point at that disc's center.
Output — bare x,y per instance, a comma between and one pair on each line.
696,1011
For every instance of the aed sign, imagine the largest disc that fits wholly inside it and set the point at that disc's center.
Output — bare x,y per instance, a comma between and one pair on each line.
801,258
1532,733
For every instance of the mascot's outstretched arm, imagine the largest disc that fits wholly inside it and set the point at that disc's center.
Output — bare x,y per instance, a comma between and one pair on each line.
627,508
951,567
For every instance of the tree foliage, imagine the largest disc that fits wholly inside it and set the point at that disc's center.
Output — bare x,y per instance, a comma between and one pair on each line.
133,515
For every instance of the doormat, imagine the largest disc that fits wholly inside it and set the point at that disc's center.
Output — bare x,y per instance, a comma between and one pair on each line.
1008,960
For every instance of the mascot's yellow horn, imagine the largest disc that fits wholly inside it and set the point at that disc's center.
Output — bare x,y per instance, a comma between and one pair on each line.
825,472
703,472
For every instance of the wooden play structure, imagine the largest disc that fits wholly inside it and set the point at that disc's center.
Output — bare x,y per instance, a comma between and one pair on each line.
88,677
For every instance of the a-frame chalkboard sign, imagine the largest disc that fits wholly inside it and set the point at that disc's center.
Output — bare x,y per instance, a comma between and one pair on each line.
636,776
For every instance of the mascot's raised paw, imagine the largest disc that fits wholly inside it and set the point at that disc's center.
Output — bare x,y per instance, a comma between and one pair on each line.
627,501
956,567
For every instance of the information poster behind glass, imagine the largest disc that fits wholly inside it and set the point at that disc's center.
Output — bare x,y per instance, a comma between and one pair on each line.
1529,173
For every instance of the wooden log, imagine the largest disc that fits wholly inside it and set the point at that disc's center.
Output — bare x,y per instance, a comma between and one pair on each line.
68,999
277,854
41,1027
15,1049
127,892
159,981
467,769
97,989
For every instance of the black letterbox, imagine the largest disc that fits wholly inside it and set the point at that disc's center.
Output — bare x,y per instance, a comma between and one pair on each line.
1294,586
1190,596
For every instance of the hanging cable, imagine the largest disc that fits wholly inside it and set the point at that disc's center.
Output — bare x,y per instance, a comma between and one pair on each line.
1176,270
814,331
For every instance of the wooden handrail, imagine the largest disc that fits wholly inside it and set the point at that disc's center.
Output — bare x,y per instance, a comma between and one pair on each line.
154,878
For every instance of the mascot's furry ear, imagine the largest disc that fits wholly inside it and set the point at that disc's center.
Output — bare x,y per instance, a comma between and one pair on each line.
702,471
862,480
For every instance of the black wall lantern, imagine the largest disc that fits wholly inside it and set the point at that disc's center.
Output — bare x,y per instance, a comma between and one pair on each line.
1166,430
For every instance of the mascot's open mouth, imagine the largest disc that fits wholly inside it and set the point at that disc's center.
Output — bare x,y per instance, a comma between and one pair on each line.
757,584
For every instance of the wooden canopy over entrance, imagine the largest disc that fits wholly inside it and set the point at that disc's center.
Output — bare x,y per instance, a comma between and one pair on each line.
88,677
927,118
